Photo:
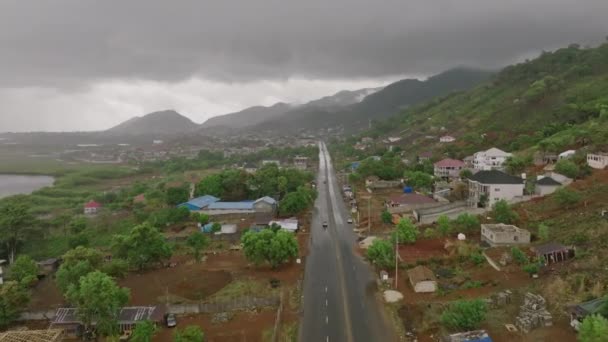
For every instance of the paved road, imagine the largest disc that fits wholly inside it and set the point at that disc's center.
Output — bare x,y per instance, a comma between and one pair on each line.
339,303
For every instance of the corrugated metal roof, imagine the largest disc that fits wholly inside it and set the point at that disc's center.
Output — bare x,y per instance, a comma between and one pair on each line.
495,177
201,202
231,205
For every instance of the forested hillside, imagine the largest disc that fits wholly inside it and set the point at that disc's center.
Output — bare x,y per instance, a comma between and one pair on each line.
554,102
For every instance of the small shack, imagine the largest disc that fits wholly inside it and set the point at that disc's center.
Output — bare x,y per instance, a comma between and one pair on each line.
48,266
92,208
469,336
582,310
546,186
290,224
553,252
422,279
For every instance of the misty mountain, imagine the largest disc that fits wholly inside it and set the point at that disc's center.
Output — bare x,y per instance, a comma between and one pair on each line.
167,122
379,105
259,114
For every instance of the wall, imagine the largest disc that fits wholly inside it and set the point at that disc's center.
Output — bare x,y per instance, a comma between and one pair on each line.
505,191
223,306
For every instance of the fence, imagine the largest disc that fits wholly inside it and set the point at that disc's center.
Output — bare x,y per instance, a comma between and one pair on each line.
243,303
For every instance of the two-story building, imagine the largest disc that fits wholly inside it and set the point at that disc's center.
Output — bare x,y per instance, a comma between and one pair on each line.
490,186
448,168
492,159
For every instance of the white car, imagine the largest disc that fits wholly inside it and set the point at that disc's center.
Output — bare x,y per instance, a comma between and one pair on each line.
349,221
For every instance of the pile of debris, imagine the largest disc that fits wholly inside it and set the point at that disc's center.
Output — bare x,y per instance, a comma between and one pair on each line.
499,299
533,314
221,317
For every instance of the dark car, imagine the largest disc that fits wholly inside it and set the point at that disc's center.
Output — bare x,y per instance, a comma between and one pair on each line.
324,224
170,320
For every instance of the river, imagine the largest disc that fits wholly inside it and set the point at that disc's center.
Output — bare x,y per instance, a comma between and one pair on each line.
22,184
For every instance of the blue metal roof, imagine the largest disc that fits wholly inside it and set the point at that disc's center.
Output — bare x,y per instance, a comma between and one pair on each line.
266,199
200,202
231,206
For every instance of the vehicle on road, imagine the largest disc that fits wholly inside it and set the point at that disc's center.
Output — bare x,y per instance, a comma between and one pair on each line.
324,224
170,320
349,221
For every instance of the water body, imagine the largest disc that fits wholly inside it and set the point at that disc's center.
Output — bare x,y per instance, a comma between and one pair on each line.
22,184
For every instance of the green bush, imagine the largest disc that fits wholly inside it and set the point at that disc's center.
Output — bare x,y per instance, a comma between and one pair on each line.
477,258
566,197
381,253
463,315
519,256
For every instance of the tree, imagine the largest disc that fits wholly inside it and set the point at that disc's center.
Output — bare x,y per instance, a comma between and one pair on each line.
201,218
543,232
177,195
295,202
77,263
273,247
381,253
566,197
13,297
79,239
98,300
78,224
519,256
517,164
467,222
142,246
405,232
466,173
503,213
593,329
24,271
443,223
191,333
419,179
386,217
143,332
210,185
16,223
567,168
531,268
464,315
197,242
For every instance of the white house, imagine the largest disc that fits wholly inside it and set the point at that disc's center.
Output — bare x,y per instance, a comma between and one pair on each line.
491,159
271,161
92,208
490,186
447,139
597,160
546,186
566,154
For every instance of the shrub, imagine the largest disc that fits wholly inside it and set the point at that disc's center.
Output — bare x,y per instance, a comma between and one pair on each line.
381,253
464,314
443,224
566,197
430,233
79,239
567,168
503,213
386,217
593,329
477,258
467,222
543,232
406,232
117,268
519,256
531,268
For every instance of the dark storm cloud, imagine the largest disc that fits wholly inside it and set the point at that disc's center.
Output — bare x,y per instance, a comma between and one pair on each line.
56,43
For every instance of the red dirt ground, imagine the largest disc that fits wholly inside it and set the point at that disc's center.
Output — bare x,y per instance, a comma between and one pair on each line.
422,249
244,326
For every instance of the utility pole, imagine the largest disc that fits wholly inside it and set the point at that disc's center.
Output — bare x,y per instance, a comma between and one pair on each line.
369,214
396,256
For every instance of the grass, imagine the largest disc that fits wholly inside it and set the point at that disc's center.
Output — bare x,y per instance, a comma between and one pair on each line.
243,288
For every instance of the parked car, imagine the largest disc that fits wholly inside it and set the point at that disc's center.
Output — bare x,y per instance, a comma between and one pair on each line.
349,221
170,320
324,224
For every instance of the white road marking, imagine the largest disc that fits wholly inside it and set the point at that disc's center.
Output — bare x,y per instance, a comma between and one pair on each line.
326,302
325,289
327,339
326,319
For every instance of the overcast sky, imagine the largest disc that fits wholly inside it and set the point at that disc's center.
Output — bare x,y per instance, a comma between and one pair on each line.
85,65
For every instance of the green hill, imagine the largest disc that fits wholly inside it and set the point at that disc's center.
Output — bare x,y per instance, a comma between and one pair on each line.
554,102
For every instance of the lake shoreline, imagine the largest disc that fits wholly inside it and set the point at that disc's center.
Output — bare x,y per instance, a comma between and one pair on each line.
12,184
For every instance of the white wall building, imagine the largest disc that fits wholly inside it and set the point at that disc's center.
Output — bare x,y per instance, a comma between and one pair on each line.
597,160
490,186
491,159
566,154
447,139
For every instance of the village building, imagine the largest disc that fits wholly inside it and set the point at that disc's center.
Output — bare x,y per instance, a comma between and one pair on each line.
492,159
580,311
393,139
48,266
199,203
250,168
566,154
448,168
546,186
469,336
447,139
597,160
265,204
504,235
425,156
544,158
300,163
291,224
92,208
367,140
271,161
488,187
468,162
422,279
409,201
67,319
553,252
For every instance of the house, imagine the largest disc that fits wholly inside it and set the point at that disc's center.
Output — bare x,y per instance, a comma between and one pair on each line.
492,159
250,168
425,156
393,139
597,160
422,279
553,252
544,158
92,208
558,177
489,187
469,336
504,235
546,186
68,319
409,201
566,154
48,266
300,163
227,229
447,139
199,203
223,208
582,310
290,224
271,161
448,168
265,204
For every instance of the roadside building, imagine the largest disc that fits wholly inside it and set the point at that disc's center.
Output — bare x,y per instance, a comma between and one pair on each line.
580,311
447,139
448,168
199,203
425,156
488,187
553,252
597,160
544,158
566,154
491,159
265,204
409,201
300,163
290,224
92,208
504,235
422,279
546,186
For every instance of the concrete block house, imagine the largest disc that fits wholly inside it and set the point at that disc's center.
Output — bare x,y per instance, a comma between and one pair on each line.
504,235
488,187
